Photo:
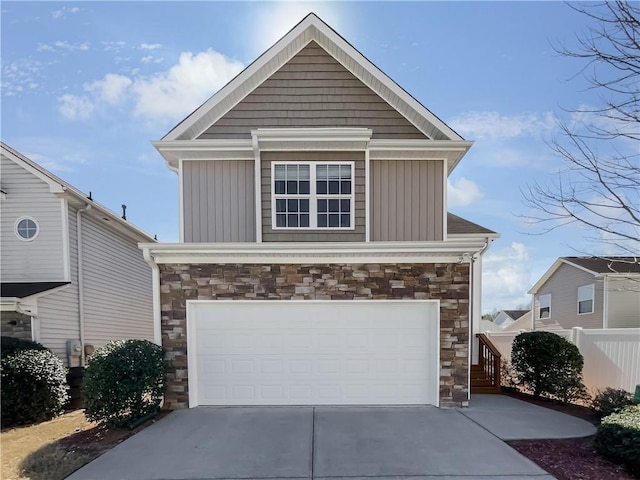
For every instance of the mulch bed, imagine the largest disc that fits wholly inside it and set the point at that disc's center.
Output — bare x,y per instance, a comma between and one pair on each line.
572,458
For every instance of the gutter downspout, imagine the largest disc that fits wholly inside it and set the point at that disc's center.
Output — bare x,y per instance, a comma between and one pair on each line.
155,275
80,281
473,349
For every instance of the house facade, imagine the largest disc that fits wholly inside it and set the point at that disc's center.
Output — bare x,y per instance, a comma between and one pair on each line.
72,275
317,261
588,292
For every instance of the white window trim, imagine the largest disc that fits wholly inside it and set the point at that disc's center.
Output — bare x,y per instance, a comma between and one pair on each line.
540,317
313,197
591,286
20,237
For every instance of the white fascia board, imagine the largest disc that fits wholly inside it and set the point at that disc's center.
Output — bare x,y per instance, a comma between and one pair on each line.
282,139
546,276
360,252
62,188
56,185
175,150
451,151
311,28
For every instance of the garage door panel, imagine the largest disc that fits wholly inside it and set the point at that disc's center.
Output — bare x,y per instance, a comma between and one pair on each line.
269,353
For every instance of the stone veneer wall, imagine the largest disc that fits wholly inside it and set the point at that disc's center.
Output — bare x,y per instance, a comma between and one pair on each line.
446,282
17,325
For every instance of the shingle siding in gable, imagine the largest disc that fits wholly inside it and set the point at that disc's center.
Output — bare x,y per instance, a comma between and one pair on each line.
313,90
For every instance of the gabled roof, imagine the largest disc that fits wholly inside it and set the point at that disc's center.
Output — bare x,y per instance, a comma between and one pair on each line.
59,186
26,289
311,28
607,265
597,266
522,323
515,314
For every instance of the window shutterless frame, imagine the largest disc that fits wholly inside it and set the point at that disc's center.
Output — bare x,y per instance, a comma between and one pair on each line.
320,198
544,306
586,299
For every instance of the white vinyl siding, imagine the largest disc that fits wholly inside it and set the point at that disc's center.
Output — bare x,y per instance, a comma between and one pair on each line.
585,299
41,259
58,312
117,286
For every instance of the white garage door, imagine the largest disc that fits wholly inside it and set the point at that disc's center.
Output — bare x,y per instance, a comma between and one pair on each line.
313,352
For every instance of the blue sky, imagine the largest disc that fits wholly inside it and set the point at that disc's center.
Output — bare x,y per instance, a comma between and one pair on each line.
87,85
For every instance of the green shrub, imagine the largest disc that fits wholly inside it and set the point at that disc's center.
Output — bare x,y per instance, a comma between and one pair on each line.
34,387
611,400
548,365
124,381
9,345
618,438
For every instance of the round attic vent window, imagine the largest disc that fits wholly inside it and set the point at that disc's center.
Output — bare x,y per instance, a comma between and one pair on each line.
26,228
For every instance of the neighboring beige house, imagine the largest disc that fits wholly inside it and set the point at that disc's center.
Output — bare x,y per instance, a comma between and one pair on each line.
72,274
317,263
588,292
507,317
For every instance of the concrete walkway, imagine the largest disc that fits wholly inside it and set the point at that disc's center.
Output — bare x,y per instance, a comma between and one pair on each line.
337,443
511,419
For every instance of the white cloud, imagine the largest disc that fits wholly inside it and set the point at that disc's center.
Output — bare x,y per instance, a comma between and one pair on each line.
74,107
493,125
111,89
150,46
63,45
506,278
61,14
184,86
147,59
165,95
21,74
462,192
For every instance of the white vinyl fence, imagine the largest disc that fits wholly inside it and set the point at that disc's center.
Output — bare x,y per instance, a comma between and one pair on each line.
611,356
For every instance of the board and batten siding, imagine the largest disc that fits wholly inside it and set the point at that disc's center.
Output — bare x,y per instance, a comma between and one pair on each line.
41,259
319,235
218,201
117,286
563,287
312,90
58,315
623,303
406,200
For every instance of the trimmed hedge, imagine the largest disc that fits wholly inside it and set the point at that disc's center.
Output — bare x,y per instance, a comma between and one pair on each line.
124,381
34,387
9,345
618,438
548,365
611,400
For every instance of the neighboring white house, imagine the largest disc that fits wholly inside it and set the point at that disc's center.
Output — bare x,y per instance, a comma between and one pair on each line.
72,276
588,292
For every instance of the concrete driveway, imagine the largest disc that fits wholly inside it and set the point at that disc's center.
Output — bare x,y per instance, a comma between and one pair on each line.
381,443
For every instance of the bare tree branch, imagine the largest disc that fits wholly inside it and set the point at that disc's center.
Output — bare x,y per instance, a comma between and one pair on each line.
598,186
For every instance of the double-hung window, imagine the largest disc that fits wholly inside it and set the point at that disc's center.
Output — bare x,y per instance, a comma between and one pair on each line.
544,306
313,195
585,299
